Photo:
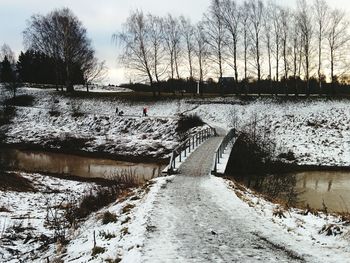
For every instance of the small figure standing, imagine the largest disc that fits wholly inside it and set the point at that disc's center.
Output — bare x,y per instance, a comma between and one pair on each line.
145,112
116,110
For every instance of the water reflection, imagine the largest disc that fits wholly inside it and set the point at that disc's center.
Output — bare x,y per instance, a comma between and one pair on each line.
318,189
76,165
331,187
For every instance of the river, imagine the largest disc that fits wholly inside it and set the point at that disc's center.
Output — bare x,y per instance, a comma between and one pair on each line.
321,190
86,167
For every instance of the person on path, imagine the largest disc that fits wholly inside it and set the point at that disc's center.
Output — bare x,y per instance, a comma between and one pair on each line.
145,112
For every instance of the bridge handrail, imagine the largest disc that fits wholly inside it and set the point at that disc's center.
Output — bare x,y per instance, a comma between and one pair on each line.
193,141
221,148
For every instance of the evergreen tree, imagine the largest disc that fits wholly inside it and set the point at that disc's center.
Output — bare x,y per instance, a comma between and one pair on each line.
7,74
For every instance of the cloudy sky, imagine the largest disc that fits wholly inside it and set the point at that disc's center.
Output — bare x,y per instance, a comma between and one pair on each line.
102,18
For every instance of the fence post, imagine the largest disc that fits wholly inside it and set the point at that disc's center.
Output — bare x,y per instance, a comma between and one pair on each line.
180,156
215,166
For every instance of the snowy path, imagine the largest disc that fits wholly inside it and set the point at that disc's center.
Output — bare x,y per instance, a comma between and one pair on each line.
197,219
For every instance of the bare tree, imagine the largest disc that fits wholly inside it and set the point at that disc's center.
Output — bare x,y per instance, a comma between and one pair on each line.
6,51
276,20
267,39
215,32
321,13
156,35
201,50
295,38
245,30
231,18
285,21
306,28
188,32
172,35
137,49
337,38
93,71
256,9
61,36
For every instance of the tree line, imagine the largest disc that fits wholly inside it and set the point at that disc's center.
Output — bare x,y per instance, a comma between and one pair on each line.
58,52
254,45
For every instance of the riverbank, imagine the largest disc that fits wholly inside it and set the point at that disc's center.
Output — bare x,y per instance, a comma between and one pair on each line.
315,130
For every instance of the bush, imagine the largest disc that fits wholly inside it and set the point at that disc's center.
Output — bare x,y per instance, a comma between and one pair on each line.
97,250
187,122
107,235
76,112
92,203
108,217
14,182
21,100
6,114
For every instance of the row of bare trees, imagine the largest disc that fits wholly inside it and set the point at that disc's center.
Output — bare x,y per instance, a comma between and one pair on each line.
252,40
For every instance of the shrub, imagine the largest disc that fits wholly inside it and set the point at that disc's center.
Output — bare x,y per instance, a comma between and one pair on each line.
107,235
6,114
97,250
108,217
14,182
76,112
187,122
127,208
21,100
91,203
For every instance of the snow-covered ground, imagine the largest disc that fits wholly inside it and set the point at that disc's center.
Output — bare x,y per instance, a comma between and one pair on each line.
24,230
316,131
296,234
26,235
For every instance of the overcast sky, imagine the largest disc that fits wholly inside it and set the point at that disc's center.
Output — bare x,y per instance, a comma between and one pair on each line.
102,18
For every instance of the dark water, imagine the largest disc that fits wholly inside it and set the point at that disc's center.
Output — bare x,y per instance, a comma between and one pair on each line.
86,167
318,189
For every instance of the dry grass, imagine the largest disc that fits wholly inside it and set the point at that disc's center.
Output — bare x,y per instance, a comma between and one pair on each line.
126,220
108,217
126,209
4,209
15,182
125,231
97,250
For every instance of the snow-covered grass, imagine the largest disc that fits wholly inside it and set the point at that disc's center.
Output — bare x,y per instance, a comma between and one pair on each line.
317,236
23,226
316,131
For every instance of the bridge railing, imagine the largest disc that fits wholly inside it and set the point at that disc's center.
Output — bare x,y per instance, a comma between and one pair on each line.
185,148
221,149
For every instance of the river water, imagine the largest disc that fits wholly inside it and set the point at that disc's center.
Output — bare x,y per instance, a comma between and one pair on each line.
87,167
319,189
331,188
